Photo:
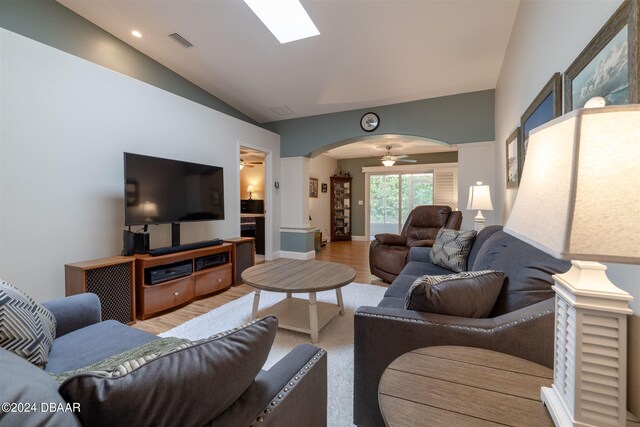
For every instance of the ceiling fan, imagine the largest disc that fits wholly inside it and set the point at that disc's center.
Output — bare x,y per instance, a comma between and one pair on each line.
247,164
389,159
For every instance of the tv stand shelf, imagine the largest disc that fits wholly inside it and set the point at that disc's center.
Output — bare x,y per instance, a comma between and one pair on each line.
153,299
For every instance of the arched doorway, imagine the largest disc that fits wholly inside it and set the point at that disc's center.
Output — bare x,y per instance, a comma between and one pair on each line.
352,156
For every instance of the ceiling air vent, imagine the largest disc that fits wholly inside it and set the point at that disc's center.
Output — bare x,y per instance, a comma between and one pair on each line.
181,40
282,110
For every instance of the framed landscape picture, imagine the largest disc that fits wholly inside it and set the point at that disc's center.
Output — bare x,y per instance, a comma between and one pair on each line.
608,65
513,159
546,106
313,187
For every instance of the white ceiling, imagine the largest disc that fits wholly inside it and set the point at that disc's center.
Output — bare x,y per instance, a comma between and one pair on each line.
368,53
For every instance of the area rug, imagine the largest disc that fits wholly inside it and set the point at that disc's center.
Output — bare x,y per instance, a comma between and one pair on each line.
336,338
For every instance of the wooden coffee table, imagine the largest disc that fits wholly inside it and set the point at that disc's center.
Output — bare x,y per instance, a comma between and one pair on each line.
292,276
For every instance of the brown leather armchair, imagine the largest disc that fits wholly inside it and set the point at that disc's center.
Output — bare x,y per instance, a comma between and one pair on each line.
388,252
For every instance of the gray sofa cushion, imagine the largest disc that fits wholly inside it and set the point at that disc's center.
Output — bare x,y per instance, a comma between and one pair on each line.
451,249
21,381
481,238
467,294
188,387
26,328
92,344
527,271
400,286
417,269
391,302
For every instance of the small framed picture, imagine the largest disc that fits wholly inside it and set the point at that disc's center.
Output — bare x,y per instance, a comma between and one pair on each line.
313,187
513,159
324,187
607,67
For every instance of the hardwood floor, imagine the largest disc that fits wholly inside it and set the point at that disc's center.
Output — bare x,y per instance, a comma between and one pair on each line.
353,254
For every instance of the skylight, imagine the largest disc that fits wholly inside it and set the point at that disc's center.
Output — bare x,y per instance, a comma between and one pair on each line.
286,19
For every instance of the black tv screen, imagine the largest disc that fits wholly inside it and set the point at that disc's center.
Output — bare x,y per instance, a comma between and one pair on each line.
161,191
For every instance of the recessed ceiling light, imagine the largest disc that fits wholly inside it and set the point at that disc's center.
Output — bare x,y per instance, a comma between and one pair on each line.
286,19
136,33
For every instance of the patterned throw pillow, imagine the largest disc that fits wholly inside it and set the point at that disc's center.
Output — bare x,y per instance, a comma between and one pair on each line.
451,248
26,328
466,294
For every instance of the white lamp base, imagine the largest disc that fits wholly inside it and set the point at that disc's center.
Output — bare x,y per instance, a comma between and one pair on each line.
479,221
590,368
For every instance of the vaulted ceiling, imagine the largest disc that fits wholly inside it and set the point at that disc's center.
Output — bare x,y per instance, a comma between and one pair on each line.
368,53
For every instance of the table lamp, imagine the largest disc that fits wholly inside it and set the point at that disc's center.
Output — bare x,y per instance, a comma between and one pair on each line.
480,199
250,190
579,199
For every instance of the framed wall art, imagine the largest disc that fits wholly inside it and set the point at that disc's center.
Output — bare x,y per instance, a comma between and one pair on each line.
513,159
546,106
313,187
608,65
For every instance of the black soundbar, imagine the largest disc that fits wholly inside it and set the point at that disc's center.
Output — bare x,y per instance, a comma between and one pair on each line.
186,247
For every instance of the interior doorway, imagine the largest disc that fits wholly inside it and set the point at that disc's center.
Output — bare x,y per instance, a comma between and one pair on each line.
253,198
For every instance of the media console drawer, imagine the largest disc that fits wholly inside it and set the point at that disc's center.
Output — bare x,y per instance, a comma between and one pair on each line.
151,300
208,281
161,297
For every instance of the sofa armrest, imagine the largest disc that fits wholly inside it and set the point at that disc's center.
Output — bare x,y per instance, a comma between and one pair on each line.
419,253
391,239
74,312
292,393
384,334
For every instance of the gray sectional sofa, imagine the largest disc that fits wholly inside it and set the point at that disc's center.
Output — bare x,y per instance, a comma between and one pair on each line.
292,393
521,323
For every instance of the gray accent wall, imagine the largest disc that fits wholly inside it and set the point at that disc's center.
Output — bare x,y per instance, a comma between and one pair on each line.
49,22
454,119
354,167
297,242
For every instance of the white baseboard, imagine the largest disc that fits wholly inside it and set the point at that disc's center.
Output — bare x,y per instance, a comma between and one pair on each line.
274,255
298,255
360,238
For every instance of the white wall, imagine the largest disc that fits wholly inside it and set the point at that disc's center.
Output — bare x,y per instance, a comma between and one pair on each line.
476,162
322,167
547,36
65,124
294,187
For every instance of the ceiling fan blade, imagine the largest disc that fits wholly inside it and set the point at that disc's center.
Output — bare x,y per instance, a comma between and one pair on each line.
401,156
247,165
256,163
407,160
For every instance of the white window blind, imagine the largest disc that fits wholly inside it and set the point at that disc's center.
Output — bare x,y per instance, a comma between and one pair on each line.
445,187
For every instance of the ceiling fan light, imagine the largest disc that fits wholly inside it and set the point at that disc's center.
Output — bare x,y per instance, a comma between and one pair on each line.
388,162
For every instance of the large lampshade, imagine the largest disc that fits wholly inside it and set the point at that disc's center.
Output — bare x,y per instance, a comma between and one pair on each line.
579,197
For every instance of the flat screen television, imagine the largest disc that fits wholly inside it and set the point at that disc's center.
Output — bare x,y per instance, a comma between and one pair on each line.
159,191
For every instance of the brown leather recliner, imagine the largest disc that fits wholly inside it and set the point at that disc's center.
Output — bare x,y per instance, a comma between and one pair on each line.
388,252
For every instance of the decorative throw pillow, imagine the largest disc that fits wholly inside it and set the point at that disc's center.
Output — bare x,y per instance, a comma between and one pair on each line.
466,294
191,385
26,328
25,384
451,248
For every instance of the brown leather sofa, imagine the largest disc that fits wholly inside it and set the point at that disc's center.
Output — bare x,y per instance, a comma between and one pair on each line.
388,252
